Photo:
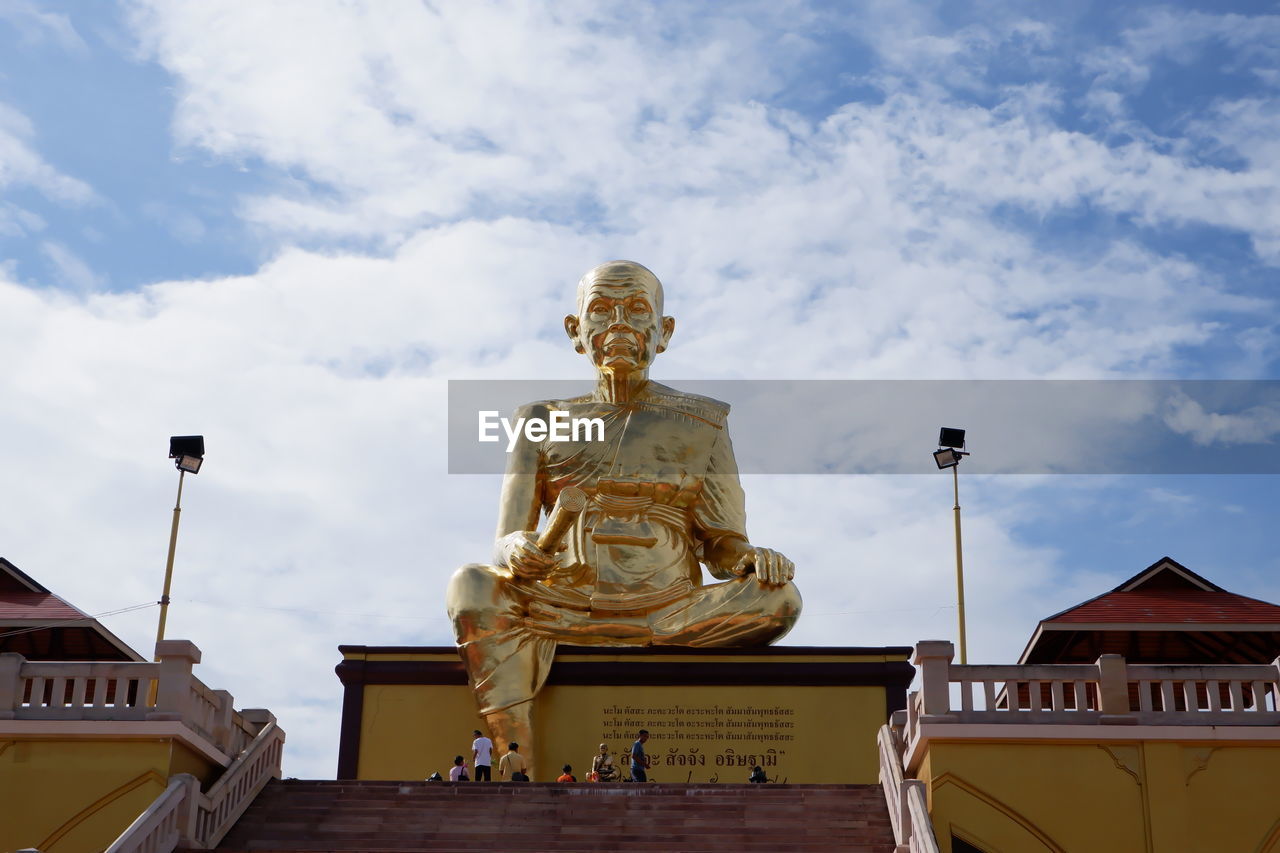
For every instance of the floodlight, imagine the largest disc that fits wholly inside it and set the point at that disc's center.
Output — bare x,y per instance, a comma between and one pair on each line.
951,437
187,451
946,457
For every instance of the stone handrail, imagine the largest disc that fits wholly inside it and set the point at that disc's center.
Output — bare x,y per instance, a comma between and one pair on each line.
1108,691
159,828
922,838
891,780
219,809
122,691
908,811
184,815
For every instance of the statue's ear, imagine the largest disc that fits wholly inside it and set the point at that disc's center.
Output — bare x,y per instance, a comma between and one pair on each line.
571,329
668,327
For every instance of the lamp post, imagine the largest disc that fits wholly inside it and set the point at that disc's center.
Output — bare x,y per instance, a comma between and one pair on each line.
187,452
948,455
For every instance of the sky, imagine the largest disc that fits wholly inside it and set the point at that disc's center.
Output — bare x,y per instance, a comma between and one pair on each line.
288,226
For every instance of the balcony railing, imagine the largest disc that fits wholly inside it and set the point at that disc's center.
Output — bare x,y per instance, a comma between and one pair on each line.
1109,691
126,691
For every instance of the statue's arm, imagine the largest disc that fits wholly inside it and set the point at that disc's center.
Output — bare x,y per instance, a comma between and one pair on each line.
721,525
520,507
721,513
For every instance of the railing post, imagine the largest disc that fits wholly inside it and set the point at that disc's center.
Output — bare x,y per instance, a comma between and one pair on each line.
1273,688
1113,690
222,721
173,698
917,830
10,684
257,717
189,811
934,659
904,811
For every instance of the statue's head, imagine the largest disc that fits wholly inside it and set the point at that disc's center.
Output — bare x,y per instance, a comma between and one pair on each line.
619,321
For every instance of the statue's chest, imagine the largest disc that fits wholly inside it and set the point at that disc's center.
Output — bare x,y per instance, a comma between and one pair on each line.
642,445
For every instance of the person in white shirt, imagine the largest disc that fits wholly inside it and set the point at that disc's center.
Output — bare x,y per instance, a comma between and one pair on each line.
482,756
458,772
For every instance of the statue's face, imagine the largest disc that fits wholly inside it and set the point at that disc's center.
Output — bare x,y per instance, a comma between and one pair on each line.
619,322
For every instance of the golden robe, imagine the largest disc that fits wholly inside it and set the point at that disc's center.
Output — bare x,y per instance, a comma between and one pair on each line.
663,487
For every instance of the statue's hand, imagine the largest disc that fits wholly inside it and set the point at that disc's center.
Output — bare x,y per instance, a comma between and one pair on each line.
519,552
770,567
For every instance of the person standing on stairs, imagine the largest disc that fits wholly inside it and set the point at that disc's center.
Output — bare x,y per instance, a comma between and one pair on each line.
639,761
482,756
513,762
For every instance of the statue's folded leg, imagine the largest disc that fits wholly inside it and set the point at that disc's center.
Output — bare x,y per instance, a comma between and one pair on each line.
506,662
738,612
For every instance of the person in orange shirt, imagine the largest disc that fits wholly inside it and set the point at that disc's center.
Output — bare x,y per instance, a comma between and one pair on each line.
567,775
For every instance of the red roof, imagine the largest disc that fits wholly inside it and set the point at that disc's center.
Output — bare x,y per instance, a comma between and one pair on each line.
43,606
45,627
1172,606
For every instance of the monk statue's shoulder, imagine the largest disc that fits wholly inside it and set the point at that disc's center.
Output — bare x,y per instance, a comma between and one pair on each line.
541,408
536,409
705,408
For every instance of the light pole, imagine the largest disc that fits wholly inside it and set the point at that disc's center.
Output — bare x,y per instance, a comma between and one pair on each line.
948,455
187,451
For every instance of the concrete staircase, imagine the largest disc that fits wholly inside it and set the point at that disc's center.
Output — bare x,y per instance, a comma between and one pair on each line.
299,815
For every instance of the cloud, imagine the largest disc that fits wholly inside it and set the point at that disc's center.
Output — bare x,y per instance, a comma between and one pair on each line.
22,166
37,26
186,227
1258,424
69,269
17,222
511,105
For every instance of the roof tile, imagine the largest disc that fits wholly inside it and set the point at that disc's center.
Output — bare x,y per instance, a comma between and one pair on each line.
36,605
1167,606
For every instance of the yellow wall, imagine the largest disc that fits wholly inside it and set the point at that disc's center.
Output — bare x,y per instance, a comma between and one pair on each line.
1121,797
799,734
409,732
70,796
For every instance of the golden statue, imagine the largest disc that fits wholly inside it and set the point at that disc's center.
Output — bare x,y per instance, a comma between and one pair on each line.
662,499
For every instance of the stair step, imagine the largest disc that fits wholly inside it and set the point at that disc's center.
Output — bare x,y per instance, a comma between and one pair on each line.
307,816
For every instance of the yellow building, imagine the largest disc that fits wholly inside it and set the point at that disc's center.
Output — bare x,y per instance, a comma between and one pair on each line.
1111,756
89,747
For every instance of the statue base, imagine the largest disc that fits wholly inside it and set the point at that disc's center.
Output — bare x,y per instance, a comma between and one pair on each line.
807,715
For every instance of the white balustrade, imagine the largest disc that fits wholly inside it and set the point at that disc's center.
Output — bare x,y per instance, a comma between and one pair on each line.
908,811
159,828
58,690
219,809
183,815
125,691
1107,691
